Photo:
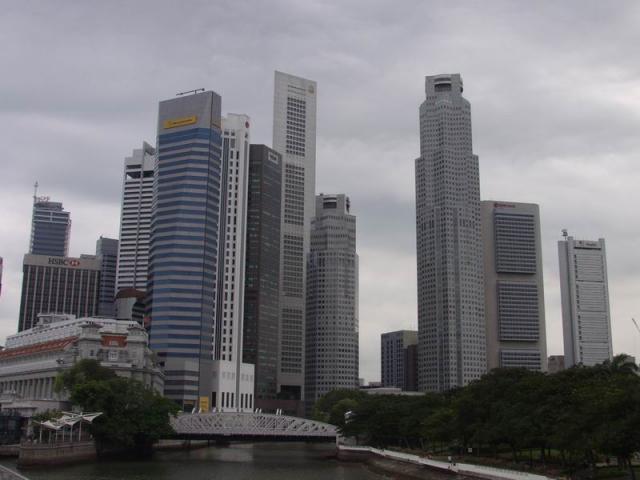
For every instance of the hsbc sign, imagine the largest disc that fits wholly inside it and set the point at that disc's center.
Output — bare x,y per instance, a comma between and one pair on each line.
65,262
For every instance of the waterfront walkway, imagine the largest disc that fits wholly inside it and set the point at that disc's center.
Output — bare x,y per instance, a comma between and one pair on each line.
8,474
481,471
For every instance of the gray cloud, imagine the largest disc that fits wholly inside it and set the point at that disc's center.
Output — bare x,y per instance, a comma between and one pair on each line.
553,86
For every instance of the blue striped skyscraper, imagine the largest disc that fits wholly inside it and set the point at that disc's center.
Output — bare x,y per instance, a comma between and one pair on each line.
50,225
183,252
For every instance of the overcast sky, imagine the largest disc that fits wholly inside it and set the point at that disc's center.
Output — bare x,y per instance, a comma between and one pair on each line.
554,89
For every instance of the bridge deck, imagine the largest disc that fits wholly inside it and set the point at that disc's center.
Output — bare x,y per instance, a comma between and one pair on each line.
250,426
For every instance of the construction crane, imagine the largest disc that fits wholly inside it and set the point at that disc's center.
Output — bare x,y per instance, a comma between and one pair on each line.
636,324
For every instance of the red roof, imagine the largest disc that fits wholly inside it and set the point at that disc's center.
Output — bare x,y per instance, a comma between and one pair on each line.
51,346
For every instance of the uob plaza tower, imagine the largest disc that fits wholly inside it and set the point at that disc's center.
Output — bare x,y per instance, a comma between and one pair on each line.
451,331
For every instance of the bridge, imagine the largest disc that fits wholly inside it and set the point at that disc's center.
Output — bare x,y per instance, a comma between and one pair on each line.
229,426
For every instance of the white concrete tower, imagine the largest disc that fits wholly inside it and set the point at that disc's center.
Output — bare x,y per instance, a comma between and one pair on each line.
586,321
232,379
294,137
514,287
451,328
135,219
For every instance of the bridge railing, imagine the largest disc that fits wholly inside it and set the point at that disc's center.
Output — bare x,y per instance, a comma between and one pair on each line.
249,424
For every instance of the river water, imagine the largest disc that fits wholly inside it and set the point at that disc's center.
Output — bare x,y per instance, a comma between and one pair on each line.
260,461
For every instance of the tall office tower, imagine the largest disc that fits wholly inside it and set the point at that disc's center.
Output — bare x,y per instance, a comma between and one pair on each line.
50,226
183,259
331,344
396,359
232,388
107,254
513,285
584,289
135,218
451,330
294,137
58,285
262,273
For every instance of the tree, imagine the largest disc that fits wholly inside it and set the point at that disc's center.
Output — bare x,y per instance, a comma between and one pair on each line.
84,370
134,417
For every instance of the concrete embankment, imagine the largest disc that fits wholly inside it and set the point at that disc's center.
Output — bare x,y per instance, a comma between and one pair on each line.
418,467
56,454
9,450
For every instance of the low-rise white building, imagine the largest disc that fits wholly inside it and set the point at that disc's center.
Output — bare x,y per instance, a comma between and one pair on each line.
33,358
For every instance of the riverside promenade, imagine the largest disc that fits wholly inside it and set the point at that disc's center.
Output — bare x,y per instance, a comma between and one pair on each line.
8,474
465,469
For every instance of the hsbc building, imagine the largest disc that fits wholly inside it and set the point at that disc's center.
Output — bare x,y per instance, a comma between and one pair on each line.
58,285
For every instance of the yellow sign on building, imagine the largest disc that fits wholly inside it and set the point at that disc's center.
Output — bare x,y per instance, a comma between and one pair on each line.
204,404
180,122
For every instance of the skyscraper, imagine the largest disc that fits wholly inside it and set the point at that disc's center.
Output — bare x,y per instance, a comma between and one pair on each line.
135,219
332,300
232,379
451,330
183,258
50,226
514,288
58,285
294,137
584,288
262,277
107,255
396,359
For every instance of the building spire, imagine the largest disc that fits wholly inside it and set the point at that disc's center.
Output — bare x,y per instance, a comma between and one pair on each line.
35,191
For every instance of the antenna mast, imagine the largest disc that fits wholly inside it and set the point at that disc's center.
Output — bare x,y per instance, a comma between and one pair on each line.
35,191
179,94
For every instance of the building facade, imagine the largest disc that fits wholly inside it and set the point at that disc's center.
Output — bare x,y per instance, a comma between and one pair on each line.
584,289
398,367
555,363
332,360
183,260
262,273
50,228
514,288
451,330
232,379
58,285
107,255
135,219
33,358
294,137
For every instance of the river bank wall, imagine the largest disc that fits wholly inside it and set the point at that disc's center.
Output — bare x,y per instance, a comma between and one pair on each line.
414,466
43,454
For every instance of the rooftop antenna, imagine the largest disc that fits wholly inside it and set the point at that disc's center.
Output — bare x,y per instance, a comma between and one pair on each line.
179,94
565,234
35,191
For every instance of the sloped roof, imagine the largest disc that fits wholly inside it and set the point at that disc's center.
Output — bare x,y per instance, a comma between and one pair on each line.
51,346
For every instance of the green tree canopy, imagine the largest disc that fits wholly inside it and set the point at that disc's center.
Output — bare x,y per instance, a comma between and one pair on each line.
134,417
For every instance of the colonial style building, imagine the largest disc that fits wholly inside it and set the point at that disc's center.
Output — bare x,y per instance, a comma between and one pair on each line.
33,358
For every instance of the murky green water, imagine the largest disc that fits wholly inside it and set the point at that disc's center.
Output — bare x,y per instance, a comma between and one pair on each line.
265,461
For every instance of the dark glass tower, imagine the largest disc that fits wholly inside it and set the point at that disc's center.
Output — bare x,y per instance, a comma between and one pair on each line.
50,227
107,254
183,252
262,275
